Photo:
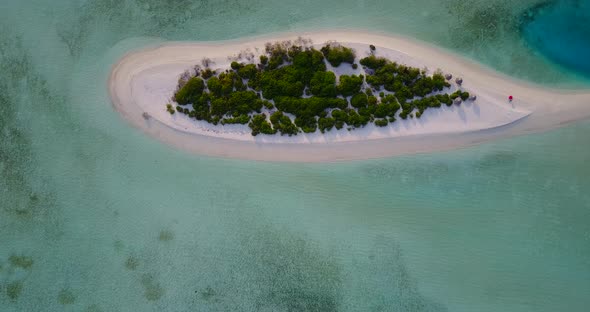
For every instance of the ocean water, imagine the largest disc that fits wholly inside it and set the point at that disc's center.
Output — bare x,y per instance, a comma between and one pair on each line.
95,216
553,29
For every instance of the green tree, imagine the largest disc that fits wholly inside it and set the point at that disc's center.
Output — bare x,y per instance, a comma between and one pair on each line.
350,85
381,122
323,84
340,117
326,124
258,124
359,100
374,62
214,86
337,54
248,71
190,92
283,124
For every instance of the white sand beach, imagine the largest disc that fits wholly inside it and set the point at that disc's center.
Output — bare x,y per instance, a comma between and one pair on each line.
143,81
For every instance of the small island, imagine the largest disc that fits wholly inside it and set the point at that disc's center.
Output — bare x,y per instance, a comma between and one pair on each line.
348,95
292,88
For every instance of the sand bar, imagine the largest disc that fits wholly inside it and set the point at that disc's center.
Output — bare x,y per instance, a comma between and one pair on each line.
142,82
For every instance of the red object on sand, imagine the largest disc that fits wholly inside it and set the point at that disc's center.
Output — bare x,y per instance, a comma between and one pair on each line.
510,98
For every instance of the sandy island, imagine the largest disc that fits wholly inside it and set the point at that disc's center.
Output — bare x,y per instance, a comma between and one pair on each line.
142,82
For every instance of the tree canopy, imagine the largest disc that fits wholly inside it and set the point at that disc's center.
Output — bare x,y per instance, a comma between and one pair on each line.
289,91
337,54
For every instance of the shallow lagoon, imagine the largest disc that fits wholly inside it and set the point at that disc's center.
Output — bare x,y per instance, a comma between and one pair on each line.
94,216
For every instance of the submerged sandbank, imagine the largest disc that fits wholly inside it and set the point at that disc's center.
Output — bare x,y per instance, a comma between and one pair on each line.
143,81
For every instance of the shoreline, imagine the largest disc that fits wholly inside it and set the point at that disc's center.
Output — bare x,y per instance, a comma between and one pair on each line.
548,108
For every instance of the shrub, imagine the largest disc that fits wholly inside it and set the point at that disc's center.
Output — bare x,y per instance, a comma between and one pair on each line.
245,102
214,86
337,54
356,120
340,117
283,124
306,107
359,100
170,109
267,104
307,123
263,59
374,62
309,61
241,119
355,66
459,94
372,47
464,96
367,112
326,124
202,113
219,106
207,73
381,122
214,119
258,124
386,109
350,85
235,65
444,98
285,81
275,61
248,71
323,84
190,92
373,100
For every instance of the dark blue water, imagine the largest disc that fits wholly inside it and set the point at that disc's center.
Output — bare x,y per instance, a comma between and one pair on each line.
561,31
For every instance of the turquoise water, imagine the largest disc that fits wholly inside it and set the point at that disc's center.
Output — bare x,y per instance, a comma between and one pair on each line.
115,221
561,31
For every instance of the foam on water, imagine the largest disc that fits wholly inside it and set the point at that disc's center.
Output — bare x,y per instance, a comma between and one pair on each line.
95,216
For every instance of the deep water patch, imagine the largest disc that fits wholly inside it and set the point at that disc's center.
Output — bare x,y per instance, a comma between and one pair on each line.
560,30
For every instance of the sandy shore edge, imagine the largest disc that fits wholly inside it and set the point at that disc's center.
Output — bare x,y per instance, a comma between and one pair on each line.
550,107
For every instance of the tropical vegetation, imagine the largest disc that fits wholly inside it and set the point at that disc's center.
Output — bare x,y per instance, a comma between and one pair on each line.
290,89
